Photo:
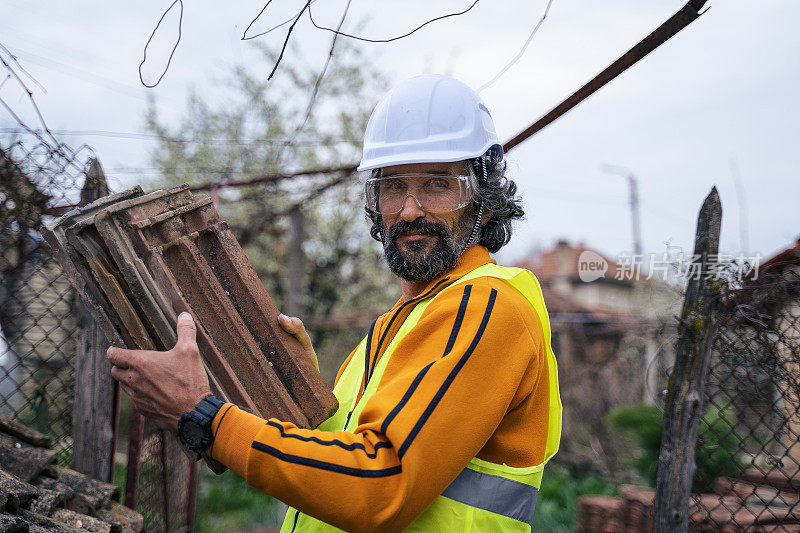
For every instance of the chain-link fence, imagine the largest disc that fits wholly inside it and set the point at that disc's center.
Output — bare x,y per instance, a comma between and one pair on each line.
39,329
747,459
37,308
164,483
750,439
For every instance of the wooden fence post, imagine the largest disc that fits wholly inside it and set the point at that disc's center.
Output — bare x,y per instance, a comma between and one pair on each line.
686,395
94,412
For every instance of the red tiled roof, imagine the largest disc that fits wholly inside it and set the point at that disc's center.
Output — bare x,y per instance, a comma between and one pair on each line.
786,257
562,260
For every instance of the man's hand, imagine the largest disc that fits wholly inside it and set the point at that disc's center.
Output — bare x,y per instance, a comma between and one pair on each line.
163,385
294,327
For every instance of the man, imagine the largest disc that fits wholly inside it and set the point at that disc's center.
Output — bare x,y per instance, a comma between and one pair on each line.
449,408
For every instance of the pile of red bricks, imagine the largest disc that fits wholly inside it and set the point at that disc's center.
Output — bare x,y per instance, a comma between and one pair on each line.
138,260
756,502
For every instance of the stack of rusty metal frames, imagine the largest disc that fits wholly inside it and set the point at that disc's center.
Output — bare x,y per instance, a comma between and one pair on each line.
138,260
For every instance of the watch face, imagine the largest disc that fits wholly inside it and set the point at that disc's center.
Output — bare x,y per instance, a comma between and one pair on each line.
192,434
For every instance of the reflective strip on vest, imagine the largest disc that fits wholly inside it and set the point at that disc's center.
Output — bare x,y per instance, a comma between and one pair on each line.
495,494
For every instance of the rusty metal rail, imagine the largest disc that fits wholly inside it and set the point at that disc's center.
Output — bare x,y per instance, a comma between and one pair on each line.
686,15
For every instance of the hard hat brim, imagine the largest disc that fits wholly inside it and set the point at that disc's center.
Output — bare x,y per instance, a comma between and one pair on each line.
423,157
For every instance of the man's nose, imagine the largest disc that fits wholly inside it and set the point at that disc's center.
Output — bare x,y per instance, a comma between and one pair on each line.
412,210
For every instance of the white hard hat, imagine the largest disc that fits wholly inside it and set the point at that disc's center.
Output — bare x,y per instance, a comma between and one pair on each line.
427,119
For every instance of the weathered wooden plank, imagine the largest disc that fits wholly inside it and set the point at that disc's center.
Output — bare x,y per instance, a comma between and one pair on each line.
47,502
129,520
13,524
72,500
685,402
44,523
23,460
17,492
85,522
24,433
94,411
97,493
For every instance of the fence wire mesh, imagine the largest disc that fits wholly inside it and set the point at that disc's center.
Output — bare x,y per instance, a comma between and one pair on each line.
39,329
750,440
37,307
163,489
747,459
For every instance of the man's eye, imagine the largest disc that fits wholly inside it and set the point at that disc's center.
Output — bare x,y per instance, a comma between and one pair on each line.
437,184
394,185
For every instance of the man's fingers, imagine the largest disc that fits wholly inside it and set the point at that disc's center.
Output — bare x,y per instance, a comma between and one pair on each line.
121,358
123,375
187,331
294,326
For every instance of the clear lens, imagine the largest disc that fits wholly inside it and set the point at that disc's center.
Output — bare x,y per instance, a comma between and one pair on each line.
435,193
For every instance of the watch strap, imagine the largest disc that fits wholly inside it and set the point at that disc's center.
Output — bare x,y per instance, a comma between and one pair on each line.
208,407
203,416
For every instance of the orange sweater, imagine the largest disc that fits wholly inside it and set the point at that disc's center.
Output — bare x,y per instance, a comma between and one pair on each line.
433,411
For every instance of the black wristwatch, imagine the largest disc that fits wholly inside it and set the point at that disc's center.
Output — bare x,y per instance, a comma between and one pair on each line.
194,427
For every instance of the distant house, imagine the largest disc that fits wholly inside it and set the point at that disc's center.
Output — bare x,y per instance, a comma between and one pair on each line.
607,331
762,342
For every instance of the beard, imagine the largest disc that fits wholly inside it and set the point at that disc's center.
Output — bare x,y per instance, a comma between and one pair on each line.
420,260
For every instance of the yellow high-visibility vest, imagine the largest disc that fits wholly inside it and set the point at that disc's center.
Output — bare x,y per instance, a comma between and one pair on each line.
484,496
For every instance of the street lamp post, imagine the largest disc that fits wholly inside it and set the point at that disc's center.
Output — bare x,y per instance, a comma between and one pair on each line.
633,187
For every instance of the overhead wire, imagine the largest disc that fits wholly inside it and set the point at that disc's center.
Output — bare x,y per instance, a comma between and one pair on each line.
172,139
79,73
174,48
365,39
522,50
337,31
313,98
288,36
245,37
45,137
294,20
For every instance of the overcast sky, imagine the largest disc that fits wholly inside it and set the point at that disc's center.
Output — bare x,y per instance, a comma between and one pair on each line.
724,89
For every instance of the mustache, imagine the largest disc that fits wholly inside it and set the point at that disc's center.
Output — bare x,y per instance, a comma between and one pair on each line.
419,225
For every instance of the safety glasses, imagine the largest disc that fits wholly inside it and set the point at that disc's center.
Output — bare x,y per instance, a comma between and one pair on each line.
435,193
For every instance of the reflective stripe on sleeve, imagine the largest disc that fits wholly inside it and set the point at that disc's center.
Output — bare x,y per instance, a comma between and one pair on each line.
495,494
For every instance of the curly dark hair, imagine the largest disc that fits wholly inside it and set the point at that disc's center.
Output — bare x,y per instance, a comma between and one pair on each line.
500,200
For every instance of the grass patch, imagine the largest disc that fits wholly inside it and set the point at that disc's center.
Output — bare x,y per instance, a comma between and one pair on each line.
227,502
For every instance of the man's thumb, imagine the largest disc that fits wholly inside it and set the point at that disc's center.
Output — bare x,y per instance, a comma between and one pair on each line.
187,332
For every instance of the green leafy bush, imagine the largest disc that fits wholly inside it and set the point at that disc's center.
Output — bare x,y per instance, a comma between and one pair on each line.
557,506
717,443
